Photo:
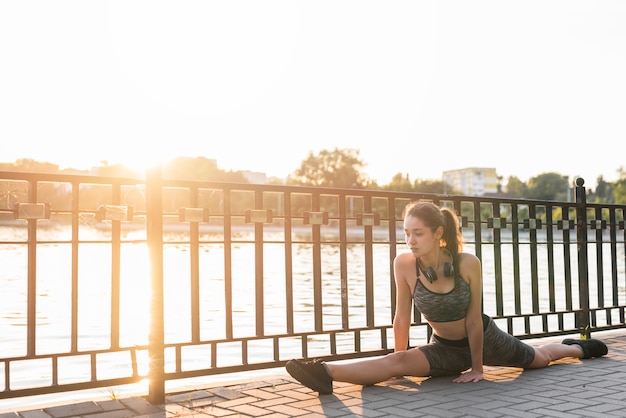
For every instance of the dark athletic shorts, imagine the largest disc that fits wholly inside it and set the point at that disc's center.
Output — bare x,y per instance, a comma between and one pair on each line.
448,357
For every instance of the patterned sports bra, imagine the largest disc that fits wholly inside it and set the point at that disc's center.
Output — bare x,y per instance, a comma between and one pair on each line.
442,307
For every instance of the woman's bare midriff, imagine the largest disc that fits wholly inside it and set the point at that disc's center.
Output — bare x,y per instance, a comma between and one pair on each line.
454,330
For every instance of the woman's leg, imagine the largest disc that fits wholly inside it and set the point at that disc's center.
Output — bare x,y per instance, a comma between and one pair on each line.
548,353
368,372
503,349
319,375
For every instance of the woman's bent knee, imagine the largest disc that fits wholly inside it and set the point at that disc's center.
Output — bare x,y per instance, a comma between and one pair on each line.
410,363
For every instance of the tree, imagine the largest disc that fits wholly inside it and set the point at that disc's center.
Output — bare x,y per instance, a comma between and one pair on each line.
199,169
432,186
188,168
32,166
400,183
516,188
117,170
603,192
548,186
340,168
619,187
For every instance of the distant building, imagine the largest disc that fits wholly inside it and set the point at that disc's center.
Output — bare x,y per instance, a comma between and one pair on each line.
473,181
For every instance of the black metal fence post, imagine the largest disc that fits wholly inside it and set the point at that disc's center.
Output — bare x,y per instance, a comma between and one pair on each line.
583,265
154,231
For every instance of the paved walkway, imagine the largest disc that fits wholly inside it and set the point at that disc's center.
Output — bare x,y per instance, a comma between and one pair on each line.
569,388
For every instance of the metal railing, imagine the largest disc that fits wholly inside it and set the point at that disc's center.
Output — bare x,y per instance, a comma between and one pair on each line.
240,277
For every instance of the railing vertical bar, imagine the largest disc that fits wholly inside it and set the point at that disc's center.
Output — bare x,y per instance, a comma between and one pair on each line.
7,375
154,231
213,354
228,266
599,257
133,362
115,272
304,346
258,268
276,348
75,254
244,351
383,338
93,367
357,341
517,287
613,241
534,276
31,316
288,262
55,370
317,267
594,317
583,273
567,261
624,258
497,257
624,242
369,265
478,236
509,325
343,262
550,255
194,260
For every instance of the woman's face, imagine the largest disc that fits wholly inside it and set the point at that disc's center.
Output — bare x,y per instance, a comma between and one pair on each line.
420,238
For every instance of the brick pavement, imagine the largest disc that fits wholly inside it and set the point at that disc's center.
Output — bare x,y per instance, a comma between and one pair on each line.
569,388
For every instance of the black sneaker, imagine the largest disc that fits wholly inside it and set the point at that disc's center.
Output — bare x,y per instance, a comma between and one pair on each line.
591,348
311,374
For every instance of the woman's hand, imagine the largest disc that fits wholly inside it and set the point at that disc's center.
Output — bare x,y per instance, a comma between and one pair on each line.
470,376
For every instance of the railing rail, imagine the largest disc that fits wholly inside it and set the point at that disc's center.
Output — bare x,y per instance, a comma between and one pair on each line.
239,277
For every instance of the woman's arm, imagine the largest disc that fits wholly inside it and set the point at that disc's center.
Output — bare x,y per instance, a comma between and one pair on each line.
402,316
471,270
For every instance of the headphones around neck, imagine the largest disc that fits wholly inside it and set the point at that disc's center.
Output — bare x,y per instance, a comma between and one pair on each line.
431,274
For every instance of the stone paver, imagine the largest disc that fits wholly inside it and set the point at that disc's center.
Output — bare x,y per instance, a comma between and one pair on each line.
572,388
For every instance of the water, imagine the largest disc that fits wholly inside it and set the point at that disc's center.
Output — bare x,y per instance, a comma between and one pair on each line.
94,315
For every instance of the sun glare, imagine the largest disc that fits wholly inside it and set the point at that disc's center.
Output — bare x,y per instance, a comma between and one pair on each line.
142,163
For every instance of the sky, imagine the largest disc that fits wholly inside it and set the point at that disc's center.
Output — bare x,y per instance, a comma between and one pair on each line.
418,87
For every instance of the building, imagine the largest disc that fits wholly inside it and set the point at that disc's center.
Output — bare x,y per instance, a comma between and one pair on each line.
473,181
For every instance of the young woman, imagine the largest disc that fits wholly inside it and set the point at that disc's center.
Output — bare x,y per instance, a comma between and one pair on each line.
445,284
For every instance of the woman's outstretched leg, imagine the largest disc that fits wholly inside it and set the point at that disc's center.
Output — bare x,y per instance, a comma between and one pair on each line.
548,353
368,372
319,375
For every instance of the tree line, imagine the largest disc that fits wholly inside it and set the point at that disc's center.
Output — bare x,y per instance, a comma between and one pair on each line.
344,168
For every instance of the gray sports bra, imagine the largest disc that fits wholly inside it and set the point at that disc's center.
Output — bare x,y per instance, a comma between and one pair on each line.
442,307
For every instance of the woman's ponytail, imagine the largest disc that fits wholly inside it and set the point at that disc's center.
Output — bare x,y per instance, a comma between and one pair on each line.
452,239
